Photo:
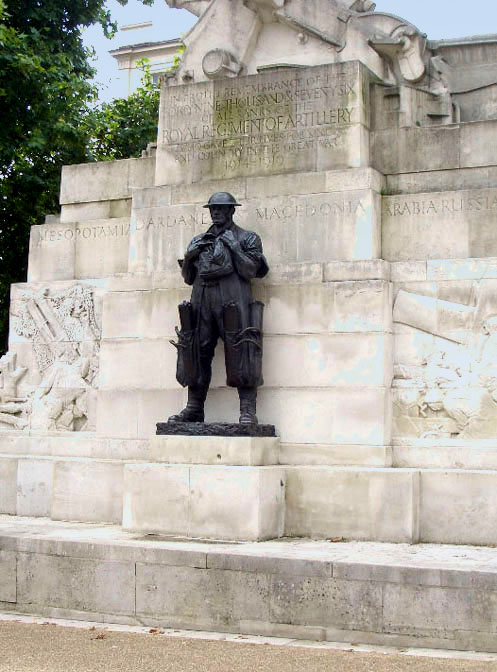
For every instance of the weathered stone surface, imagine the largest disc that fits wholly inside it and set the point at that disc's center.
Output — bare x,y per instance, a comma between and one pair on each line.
51,259
462,269
477,148
154,312
8,577
329,604
410,150
409,271
349,360
428,611
330,455
214,502
339,502
443,225
214,429
214,449
457,507
376,269
355,359
341,415
105,180
455,454
60,444
97,248
429,594
8,485
75,583
156,499
297,302
87,490
292,128
139,411
441,180
82,212
346,225
34,487
215,597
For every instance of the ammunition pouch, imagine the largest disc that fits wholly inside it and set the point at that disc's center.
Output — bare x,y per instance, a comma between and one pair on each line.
188,370
243,346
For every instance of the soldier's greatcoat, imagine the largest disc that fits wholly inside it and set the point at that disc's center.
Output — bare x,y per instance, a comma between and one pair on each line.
221,276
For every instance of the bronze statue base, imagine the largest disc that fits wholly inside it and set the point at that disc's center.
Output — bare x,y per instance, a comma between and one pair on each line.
214,429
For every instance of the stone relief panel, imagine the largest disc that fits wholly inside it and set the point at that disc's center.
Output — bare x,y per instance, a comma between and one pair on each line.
445,373
62,361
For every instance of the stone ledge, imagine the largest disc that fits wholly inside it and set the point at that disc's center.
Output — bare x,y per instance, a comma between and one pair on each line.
332,455
448,504
105,180
429,595
350,271
426,564
441,180
444,270
30,445
461,455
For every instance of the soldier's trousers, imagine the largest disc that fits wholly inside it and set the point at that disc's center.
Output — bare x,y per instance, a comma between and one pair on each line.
209,316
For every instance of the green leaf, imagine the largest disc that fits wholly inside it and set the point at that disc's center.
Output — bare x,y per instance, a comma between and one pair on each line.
46,96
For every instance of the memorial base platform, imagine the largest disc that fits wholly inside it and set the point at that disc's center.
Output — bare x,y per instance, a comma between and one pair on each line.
434,596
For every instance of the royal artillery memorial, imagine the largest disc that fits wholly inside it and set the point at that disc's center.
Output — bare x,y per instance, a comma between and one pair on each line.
364,156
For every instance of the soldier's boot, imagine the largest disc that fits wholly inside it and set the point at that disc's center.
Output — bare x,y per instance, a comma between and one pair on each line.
248,400
194,409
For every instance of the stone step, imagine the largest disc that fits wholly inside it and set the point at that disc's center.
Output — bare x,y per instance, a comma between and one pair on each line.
455,506
72,444
480,454
434,596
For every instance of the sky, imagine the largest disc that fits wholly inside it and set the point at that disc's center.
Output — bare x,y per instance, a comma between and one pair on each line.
438,18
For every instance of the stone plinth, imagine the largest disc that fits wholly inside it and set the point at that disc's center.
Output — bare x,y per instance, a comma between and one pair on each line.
213,502
211,487
214,450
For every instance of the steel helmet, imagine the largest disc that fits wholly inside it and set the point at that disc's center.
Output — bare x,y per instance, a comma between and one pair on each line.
222,198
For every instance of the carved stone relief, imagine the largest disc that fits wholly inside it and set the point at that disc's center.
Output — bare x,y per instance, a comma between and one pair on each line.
240,37
405,48
451,391
65,339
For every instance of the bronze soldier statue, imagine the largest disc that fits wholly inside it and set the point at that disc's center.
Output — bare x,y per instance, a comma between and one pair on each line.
220,265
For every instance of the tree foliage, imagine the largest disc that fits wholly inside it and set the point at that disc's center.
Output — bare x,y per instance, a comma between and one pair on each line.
124,127
49,120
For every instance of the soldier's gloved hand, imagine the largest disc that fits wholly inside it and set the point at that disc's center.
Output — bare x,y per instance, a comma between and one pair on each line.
229,239
197,245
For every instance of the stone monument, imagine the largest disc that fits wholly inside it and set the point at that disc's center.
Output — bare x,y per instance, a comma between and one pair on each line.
364,156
